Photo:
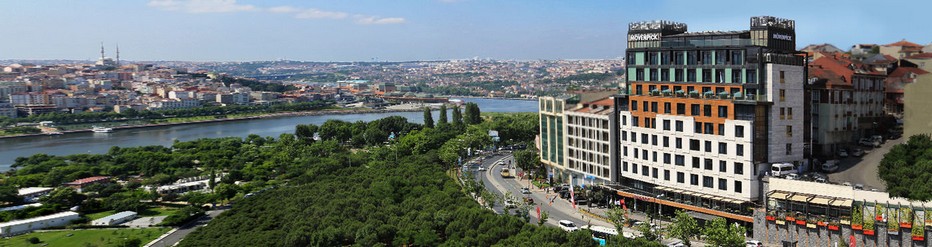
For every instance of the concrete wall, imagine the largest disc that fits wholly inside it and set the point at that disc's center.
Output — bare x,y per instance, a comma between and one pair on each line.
917,117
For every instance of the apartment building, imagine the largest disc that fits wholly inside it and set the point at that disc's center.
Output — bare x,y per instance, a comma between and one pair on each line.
706,113
847,102
552,136
591,138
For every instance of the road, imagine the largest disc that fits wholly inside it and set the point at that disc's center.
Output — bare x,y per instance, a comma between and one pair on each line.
183,231
865,169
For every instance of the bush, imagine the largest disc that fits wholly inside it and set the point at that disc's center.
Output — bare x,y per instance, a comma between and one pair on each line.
182,216
33,240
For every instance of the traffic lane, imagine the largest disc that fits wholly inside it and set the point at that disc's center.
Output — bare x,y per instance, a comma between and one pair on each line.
555,214
183,231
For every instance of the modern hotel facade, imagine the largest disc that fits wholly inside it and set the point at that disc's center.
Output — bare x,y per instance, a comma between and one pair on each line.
703,115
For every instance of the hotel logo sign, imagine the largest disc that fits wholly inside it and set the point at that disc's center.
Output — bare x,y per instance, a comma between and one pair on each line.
644,37
782,37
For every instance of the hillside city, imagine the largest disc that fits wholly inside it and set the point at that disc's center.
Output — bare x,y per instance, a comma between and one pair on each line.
693,138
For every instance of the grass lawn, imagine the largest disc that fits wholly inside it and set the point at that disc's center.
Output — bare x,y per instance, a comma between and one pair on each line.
86,237
157,211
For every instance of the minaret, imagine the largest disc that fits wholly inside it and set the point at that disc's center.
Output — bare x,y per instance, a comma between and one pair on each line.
101,51
118,54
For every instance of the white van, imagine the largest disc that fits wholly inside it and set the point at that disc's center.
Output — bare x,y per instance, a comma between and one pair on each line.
781,169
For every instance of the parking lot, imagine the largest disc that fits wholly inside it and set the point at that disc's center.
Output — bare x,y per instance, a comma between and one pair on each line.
864,170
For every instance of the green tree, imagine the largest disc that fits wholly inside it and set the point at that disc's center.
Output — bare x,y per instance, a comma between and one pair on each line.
719,232
527,159
457,117
305,131
442,121
473,115
684,227
544,215
617,216
64,197
907,169
9,194
429,118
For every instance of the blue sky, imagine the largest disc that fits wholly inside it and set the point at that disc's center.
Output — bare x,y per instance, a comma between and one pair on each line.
397,30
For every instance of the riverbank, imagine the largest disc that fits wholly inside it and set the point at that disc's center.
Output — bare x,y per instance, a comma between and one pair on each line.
268,115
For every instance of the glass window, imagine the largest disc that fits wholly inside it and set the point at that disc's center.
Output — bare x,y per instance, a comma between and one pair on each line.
739,168
694,144
708,146
666,158
678,74
707,110
653,107
722,166
679,143
666,175
666,107
680,108
722,148
691,75
654,172
645,171
738,187
624,166
739,149
723,111
708,128
695,109
666,141
721,129
664,74
666,124
751,76
634,105
707,182
693,179
680,177
697,128
789,149
739,131
679,160
708,164
722,184
679,125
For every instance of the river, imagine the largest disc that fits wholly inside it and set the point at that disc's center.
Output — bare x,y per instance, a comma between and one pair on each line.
100,143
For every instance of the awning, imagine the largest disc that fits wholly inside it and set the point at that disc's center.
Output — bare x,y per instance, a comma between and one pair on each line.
820,200
841,202
799,198
688,193
660,188
705,196
778,195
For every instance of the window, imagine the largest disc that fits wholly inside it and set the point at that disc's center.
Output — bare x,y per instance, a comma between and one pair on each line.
666,124
739,131
722,148
739,168
679,160
680,177
636,153
644,103
722,166
739,149
666,175
789,149
679,125
697,128
693,179
666,158
782,113
680,109
782,76
782,95
666,141
679,143
654,156
624,135
644,154
723,111
789,113
707,110
737,186
654,172
665,74
695,109
644,139
666,107
708,128
653,140
624,120
697,162
789,131
721,129
751,76
736,76
722,184
634,105
624,166
634,168
708,146
653,107
708,164
645,171
635,121
707,182
694,144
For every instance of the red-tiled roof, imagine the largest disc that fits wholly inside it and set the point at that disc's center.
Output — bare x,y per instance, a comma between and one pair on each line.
921,56
87,180
904,43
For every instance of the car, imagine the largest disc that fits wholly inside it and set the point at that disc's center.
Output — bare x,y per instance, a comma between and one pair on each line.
857,152
753,243
843,153
868,142
877,138
510,204
529,200
830,166
567,225
792,176
859,186
525,190
482,168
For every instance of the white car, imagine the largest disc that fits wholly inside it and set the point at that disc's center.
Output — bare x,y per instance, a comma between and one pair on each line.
568,225
482,168
830,166
792,176
753,243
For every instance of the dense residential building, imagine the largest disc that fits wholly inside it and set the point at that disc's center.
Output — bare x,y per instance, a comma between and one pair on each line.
917,118
922,61
7,110
847,102
591,132
895,85
901,49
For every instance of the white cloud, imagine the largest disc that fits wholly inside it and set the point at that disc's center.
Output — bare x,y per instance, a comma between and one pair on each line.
283,9
201,6
320,14
375,20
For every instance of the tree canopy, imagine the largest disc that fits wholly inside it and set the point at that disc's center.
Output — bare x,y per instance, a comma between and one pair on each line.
907,169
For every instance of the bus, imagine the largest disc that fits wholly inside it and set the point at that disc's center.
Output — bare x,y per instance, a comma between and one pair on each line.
505,173
601,234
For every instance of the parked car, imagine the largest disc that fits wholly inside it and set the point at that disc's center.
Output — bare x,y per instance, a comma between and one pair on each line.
792,176
877,138
857,152
510,204
753,243
830,166
528,200
567,225
868,142
525,190
842,153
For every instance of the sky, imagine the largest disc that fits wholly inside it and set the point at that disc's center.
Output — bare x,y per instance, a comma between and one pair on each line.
405,30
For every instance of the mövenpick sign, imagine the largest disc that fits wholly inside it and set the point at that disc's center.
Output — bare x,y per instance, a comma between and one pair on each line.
643,37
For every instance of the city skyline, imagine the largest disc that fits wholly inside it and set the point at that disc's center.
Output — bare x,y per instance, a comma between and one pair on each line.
230,30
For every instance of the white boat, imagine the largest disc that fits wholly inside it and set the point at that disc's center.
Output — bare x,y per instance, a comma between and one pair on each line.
102,129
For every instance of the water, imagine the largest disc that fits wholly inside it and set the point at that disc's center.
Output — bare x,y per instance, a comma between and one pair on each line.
100,143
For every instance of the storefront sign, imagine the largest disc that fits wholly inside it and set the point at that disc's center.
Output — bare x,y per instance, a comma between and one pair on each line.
644,37
783,37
